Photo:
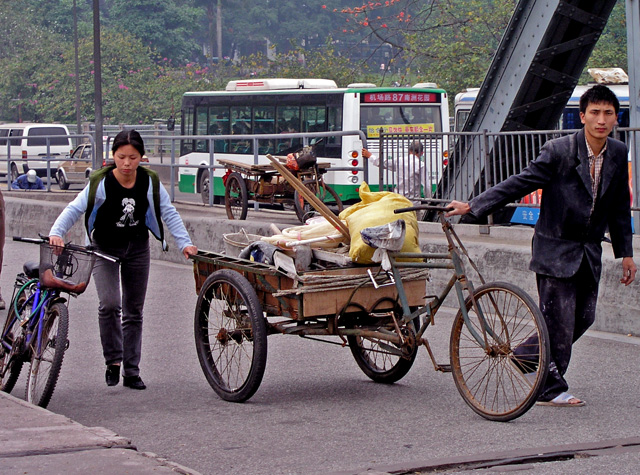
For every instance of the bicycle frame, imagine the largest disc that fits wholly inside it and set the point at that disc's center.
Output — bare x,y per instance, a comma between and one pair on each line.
40,299
458,280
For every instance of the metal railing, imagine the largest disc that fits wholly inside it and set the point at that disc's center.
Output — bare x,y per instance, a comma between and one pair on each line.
446,173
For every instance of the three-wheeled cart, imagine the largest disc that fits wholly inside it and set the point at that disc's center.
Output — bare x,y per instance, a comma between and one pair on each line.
262,183
499,351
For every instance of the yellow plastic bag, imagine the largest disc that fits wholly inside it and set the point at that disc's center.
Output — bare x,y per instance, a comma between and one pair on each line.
375,209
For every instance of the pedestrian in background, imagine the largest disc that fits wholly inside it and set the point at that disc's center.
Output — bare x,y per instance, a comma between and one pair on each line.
585,191
408,169
121,204
28,181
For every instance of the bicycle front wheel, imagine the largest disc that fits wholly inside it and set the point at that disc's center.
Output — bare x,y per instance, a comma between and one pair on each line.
231,335
46,361
11,360
500,357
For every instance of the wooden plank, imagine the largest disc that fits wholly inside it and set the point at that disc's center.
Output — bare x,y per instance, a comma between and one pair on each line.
265,167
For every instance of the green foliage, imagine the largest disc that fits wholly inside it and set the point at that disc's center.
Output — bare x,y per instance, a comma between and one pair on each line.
611,49
146,44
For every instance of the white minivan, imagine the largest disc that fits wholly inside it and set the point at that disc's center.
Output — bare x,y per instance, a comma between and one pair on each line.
29,152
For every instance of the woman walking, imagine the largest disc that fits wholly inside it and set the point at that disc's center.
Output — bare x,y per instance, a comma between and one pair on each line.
121,204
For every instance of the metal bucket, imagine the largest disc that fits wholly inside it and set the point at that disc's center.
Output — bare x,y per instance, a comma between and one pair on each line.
234,243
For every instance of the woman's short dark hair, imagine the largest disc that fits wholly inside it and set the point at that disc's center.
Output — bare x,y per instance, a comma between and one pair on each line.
597,95
128,137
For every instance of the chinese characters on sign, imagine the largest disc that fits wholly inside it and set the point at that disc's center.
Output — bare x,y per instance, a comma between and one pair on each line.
390,97
373,131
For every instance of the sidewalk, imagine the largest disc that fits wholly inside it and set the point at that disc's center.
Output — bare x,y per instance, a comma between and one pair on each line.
35,440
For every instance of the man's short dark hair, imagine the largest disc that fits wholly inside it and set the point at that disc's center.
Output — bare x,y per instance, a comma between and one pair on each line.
597,95
415,147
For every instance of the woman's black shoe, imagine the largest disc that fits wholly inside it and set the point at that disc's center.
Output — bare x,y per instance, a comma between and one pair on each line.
112,375
133,382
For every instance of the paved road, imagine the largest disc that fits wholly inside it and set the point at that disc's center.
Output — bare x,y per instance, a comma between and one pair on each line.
315,412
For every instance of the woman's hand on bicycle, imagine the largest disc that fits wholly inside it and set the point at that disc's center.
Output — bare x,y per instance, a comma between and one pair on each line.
56,241
459,208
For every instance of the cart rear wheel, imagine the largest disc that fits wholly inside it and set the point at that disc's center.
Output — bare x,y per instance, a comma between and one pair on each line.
231,335
236,199
324,192
381,360
500,382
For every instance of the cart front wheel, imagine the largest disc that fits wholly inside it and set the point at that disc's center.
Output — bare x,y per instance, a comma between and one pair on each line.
236,197
231,335
500,379
381,360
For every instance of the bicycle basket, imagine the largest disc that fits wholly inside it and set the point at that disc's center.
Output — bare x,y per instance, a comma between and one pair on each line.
65,269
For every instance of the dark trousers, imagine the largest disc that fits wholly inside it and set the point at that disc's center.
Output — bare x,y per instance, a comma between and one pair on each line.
569,309
122,288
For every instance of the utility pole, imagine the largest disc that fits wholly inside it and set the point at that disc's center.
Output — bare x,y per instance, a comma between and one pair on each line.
633,50
77,69
97,71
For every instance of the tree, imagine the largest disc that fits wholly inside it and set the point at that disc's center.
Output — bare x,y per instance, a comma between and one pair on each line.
165,26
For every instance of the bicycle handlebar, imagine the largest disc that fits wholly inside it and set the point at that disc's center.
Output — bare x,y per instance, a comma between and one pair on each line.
70,246
441,209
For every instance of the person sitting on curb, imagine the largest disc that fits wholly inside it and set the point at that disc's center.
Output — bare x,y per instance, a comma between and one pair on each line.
28,181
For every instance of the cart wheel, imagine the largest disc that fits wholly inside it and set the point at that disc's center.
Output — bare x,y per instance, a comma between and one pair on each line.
231,335
236,200
326,194
381,360
500,382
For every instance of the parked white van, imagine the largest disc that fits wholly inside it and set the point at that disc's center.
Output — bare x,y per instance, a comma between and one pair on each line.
29,152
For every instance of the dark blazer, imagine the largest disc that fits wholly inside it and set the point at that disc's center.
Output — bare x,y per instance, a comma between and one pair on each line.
565,232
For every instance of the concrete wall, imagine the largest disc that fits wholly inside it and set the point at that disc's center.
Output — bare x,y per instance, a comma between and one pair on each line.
503,254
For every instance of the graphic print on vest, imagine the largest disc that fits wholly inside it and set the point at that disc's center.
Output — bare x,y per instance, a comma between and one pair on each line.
128,208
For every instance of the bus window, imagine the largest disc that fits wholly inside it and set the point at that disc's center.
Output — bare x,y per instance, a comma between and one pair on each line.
571,118
219,125
264,123
333,145
187,129
240,125
202,128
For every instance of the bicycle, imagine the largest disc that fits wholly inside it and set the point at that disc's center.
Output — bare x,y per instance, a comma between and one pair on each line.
499,350
37,323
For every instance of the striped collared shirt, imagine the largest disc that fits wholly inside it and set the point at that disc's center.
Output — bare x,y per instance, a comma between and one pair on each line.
595,169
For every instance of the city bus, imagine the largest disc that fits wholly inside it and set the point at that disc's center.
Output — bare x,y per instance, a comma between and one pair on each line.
570,116
271,107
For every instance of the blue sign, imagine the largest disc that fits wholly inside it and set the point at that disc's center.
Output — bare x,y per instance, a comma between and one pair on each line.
524,215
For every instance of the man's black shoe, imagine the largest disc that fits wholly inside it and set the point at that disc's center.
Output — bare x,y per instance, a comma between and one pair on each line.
112,376
133,382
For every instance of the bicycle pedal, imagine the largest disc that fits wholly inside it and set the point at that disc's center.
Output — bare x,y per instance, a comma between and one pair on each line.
445,368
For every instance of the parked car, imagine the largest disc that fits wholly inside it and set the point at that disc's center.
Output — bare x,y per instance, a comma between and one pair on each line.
29,152
77,167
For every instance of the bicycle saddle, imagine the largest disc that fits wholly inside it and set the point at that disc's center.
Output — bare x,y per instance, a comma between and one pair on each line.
31,269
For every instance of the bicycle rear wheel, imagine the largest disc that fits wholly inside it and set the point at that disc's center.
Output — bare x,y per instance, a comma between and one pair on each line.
11,360
500,381
231,335
47,361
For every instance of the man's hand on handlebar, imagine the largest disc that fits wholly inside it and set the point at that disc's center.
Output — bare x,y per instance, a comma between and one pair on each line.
459,208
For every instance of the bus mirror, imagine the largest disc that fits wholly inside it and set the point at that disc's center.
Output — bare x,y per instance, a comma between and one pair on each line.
171,123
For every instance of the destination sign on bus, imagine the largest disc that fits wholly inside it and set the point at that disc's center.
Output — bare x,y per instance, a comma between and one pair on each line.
399,97
373,131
